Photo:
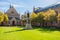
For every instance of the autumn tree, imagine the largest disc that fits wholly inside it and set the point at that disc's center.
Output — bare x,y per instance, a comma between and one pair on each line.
40,18
58,19
50,16
46,17
33,17
53,17
1,18
5,17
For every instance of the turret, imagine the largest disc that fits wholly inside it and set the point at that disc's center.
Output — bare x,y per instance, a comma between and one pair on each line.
11,6
34,9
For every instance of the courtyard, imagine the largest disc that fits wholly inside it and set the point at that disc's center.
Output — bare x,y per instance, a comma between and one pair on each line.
17,33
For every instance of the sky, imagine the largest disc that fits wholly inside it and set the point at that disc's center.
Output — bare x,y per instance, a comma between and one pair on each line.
23,5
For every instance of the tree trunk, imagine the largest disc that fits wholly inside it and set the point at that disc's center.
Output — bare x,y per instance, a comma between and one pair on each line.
1,23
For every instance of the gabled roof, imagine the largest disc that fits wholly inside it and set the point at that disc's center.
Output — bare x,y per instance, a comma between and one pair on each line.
12,17
11,9
46,8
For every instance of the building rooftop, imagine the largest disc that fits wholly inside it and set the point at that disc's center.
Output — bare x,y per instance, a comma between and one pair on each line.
48,7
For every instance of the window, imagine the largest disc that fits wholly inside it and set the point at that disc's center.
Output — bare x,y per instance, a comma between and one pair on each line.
12,12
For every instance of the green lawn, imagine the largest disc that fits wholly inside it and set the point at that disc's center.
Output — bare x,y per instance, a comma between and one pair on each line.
16,33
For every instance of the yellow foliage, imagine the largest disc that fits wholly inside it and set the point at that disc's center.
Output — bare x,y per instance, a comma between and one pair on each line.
33,15
5,17
48,14
58,17
40,13
1,18
52,12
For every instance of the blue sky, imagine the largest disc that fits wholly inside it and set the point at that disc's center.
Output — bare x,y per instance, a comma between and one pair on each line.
23,5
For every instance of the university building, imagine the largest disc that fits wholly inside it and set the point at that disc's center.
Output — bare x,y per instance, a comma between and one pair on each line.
13,15
55,7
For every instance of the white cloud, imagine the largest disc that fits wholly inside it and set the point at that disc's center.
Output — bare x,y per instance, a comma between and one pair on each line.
3,8
17,5
57,2
3,3
14,4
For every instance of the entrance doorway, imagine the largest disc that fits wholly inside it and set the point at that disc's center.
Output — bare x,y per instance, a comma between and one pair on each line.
13,23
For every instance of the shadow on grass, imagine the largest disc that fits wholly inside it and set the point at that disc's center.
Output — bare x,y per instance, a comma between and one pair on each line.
47,29
42,29
14,31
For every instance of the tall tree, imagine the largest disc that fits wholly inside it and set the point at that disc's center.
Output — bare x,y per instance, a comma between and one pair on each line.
58,19
46,17
40,18
6,17
1,18
33,17
53,17
50,16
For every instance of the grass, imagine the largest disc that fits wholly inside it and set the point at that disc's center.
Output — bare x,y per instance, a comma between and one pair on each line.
16,33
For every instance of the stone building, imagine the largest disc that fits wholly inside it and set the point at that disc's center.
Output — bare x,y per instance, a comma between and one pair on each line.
13,15
55,7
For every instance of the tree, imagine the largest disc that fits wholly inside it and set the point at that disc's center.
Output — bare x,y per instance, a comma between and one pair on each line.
23,18
53,17
33,17
58,18
50,16
6,17
46,17
1,18
40,18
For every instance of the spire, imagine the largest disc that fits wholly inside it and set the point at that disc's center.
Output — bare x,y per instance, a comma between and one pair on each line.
33,8
11,6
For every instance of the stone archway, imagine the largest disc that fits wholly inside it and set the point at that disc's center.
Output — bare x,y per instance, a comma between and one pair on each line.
13,23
